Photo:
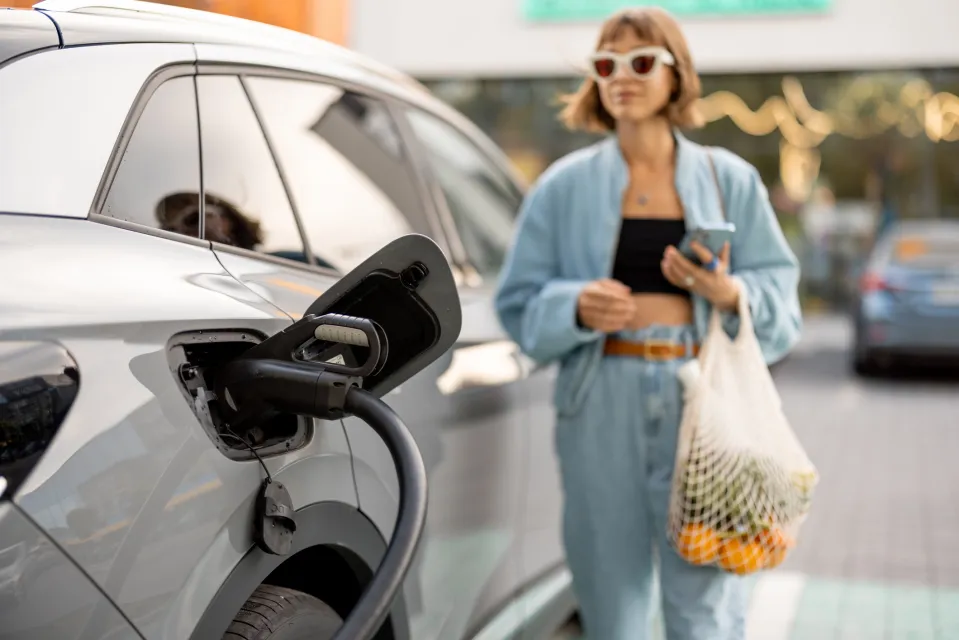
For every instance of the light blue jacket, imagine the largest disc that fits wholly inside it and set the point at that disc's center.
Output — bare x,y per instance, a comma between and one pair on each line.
566,236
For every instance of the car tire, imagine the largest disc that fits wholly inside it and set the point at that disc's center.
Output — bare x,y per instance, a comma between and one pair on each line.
863,368
865,365
862,361
278,613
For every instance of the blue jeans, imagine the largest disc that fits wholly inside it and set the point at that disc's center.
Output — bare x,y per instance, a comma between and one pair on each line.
616,456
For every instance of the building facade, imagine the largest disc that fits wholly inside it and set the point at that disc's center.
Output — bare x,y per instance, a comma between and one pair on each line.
848,108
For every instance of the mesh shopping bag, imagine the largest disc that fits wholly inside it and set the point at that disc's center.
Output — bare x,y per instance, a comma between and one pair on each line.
743,484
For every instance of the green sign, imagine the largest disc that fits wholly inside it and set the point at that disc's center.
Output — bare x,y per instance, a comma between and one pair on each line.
560,10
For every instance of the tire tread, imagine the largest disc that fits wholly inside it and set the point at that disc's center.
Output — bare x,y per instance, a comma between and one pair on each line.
268,605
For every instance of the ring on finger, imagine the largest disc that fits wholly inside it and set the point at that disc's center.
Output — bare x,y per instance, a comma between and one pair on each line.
689,281
712,264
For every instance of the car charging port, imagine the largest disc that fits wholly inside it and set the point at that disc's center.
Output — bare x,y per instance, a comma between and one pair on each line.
196,359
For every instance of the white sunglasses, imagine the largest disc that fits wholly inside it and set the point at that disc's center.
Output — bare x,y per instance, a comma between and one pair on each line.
639,63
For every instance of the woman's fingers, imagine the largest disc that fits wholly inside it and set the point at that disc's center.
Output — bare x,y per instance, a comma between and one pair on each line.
602,305
608,315
705,255
676,272
606,305
615,287
669,270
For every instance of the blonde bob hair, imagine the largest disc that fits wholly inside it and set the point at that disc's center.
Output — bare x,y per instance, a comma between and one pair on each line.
584,110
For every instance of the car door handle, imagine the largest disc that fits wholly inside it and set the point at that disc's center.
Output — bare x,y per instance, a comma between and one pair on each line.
490,364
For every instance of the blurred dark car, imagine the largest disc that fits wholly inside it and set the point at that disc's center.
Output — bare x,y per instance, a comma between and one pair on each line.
907,304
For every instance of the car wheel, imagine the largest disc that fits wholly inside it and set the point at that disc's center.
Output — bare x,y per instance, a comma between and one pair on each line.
866,365
864,368
278,613
863,364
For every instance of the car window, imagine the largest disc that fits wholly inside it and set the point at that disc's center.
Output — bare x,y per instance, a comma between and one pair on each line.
481,197
157,183
940,251
246,204
349,174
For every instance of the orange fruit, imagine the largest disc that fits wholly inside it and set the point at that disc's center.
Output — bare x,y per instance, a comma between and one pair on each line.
698,544
776,543
742,556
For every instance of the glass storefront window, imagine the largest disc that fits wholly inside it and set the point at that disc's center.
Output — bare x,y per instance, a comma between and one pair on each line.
842,153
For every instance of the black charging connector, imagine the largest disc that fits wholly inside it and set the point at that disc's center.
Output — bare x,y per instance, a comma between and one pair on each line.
306,369
294,373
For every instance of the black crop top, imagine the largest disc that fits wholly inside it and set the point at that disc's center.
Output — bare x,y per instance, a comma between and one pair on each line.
642,242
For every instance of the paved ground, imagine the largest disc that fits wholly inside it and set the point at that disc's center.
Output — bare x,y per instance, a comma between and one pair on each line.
879,556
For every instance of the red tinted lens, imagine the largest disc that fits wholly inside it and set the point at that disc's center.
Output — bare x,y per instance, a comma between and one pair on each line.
643,64
604,67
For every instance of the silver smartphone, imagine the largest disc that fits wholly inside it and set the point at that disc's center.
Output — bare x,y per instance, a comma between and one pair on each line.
713,237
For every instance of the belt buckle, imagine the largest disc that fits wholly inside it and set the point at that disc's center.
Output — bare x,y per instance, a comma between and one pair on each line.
659,350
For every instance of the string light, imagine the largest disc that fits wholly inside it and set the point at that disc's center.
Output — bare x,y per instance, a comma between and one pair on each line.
916,110
935,114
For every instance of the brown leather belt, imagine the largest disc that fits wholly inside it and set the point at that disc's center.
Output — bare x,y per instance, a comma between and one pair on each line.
649,349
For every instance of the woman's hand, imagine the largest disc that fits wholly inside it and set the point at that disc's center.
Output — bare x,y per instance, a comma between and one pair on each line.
605,305
712,281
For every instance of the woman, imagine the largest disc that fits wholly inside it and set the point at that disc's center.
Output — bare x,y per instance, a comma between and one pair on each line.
594,281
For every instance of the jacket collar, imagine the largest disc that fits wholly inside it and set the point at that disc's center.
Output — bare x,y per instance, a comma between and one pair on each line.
689,159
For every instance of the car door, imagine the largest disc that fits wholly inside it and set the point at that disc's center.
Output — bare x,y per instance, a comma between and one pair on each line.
355,186
135,488
482,201
247,216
